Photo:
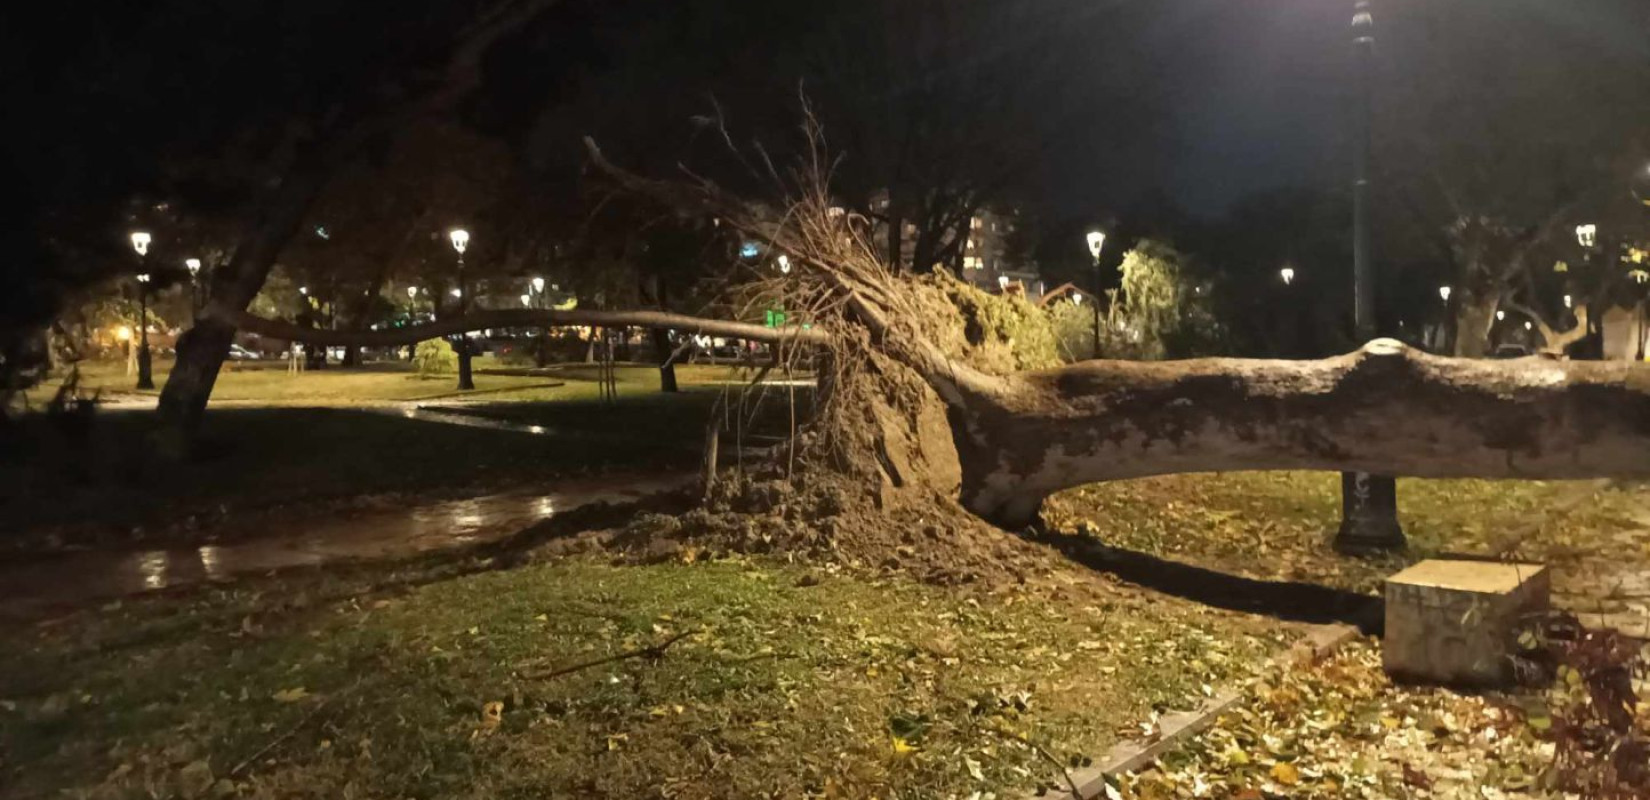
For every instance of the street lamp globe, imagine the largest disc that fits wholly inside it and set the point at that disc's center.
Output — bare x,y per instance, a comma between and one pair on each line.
1096,240
303,290
1002,282
194,265
1587,235
140,242
412,292
1288,275
1500,315
527,300
457,292
460,238
538,284
1444,292
1077,298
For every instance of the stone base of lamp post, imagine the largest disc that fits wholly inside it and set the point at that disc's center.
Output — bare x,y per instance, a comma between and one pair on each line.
145,378
1369,515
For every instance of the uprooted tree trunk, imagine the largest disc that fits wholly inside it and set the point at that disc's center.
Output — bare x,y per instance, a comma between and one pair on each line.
905,402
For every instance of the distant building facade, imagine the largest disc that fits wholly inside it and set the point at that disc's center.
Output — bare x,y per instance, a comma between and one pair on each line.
986,261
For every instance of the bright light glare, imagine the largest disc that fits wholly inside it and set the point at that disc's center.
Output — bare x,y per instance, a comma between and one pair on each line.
194,265
1288,275
412,291
457,293
1444,292
1096,240
140,242
538,284
1500,315
526,300
461,239
123,333
1587,235
784,263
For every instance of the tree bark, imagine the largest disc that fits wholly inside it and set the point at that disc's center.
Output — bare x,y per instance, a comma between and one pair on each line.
1473,322
667,360
202,349
1386,409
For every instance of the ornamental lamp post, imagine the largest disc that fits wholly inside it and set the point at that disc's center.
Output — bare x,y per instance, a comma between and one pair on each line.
461,242
1096,240
1369,503
140,243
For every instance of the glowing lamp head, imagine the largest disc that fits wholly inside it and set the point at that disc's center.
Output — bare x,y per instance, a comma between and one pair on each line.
460,239
457,292
412,292
140,242
784,263
303,290
1587,235
1444,292
194,265
538,284
527,300
1077,298
1002,281
1096,240
1568,302
1500,315
1287,274
1527,325
124,333
143,277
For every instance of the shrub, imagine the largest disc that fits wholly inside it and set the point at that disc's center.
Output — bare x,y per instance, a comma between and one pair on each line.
435,357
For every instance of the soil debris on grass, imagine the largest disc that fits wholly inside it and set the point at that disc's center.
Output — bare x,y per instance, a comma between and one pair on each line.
794,682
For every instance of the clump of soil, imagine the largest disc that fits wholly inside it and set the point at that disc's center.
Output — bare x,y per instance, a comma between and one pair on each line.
833,520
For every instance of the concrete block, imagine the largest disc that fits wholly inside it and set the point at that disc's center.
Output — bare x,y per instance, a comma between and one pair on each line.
1451,622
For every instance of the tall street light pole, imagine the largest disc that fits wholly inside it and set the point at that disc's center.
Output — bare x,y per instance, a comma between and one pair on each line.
1369,503
1096,240
461,241
140,243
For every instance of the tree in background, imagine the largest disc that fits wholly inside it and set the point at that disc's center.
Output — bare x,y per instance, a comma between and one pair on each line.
1500,130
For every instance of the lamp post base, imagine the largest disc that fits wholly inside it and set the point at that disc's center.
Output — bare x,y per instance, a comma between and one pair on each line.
1369,516
146,378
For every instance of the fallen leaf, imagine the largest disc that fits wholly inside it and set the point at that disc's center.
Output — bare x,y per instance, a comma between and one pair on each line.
292,695
1285,773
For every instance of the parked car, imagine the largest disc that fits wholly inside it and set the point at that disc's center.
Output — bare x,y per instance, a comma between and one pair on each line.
239,353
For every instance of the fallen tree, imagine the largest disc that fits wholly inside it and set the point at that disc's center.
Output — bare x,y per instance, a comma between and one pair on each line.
928,392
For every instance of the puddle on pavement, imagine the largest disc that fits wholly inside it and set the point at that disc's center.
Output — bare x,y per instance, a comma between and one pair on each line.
76,579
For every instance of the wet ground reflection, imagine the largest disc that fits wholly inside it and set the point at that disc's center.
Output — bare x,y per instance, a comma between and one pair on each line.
75,579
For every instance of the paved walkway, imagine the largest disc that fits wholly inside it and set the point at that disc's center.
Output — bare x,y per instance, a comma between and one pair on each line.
39,585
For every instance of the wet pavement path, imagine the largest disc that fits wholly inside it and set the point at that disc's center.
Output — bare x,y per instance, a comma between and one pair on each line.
71,580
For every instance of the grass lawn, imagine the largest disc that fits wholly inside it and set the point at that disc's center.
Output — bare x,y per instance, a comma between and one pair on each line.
268,383
1278,525
788,684
275,457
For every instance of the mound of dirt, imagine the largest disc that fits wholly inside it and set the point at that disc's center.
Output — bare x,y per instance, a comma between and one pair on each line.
832,520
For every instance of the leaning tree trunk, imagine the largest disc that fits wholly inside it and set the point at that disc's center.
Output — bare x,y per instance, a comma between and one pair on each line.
1386,409
1473,323
202,349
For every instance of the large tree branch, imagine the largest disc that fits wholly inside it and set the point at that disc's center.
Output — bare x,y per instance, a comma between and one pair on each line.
1386,409
519,318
